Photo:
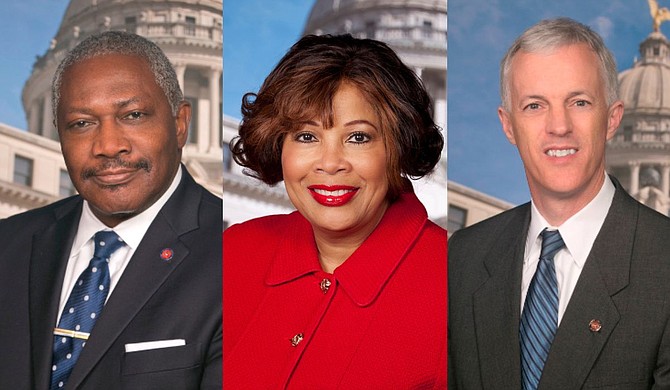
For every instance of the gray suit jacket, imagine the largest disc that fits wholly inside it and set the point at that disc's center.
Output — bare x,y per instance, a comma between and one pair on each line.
625,284
153,300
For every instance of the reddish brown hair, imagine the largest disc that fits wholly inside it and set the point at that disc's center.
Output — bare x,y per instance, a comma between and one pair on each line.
302,86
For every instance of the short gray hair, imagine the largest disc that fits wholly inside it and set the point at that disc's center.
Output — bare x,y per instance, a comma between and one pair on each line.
551,34
120,42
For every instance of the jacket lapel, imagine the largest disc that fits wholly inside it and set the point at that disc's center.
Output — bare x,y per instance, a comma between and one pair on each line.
576,346
48,260
146,272
496,307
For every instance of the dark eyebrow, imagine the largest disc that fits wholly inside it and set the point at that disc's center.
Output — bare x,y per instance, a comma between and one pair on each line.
363,121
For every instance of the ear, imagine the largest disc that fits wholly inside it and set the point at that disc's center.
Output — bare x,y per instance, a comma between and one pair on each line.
506,125
182,120
614,115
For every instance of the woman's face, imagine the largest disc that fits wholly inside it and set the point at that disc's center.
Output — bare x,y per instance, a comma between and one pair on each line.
336,177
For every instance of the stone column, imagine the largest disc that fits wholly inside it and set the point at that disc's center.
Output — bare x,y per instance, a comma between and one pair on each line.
33,118
634,177
180,69
214,114
46,127
665,178
419,72
440,114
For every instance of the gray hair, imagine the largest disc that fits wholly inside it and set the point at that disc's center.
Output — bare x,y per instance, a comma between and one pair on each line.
120,42
551,34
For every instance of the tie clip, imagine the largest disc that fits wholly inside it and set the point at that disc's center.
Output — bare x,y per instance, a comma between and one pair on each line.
71,333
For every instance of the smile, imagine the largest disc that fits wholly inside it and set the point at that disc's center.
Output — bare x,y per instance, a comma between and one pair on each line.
332,196
560,152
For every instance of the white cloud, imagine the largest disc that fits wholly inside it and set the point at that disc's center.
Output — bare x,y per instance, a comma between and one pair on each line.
603,26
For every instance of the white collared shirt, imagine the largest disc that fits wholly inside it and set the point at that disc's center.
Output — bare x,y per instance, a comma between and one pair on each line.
578,232
131,231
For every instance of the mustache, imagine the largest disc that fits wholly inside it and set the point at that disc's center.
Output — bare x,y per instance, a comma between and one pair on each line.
116,163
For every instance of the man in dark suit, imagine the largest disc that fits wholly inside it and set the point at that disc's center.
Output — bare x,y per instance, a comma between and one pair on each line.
140,224
570,290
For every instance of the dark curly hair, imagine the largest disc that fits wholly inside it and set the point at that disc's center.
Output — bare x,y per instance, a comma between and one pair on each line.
302,86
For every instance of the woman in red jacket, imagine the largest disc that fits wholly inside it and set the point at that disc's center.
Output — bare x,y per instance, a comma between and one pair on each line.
350,290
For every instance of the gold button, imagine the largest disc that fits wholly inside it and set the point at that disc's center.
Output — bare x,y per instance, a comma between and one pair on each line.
325,285
295,340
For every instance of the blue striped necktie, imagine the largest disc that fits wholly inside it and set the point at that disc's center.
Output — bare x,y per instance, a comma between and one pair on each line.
82,308
539,319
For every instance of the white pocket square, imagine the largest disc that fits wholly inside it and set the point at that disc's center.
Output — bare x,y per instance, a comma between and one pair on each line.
135,347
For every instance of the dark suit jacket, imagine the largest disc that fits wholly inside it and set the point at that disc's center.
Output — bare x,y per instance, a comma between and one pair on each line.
153,300
625,284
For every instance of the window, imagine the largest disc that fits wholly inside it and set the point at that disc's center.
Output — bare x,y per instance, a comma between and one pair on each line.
227,157
189,29
23,171
131,23
65,186
427,28
456,217
370,27
628,133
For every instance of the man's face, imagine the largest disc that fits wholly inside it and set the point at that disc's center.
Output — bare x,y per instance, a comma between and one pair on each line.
560,121
121,143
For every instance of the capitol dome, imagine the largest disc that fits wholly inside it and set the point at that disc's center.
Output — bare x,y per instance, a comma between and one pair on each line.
645,88
400,23
188,31
641,144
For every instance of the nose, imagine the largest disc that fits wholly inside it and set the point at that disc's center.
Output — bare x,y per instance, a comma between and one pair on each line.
110,140
559,122
333,159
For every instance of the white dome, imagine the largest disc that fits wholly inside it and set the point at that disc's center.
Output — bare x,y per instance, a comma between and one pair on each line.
403,24
645,88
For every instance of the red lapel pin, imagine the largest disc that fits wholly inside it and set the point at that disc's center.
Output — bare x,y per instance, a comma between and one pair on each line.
167,254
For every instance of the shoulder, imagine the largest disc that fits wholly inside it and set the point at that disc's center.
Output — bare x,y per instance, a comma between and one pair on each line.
491,228
35,219
434,236
269,226
260,234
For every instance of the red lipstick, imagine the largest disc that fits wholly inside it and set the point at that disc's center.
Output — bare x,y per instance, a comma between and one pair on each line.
332,196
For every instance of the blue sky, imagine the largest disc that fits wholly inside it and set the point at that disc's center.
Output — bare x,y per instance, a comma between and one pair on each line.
479,33
26,28
256,34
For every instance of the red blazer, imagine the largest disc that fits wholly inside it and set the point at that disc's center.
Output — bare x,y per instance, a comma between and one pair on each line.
381,324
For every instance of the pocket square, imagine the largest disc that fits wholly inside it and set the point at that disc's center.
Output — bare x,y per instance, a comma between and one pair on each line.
135,347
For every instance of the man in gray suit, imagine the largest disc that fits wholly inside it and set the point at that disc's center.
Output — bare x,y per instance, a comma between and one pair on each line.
570,290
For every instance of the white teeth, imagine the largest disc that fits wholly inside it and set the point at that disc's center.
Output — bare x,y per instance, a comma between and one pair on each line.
331,193
561,152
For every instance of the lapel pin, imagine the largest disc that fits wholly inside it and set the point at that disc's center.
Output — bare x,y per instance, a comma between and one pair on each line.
167,254
295,340
595,326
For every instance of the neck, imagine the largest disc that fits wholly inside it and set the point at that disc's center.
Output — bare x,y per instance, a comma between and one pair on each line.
558,208
334,252
335,247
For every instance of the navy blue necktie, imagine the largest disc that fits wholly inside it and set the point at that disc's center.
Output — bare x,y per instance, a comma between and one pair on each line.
82,308
539,319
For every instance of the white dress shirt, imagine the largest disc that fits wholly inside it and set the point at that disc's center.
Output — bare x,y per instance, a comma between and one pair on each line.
131,231
578,233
